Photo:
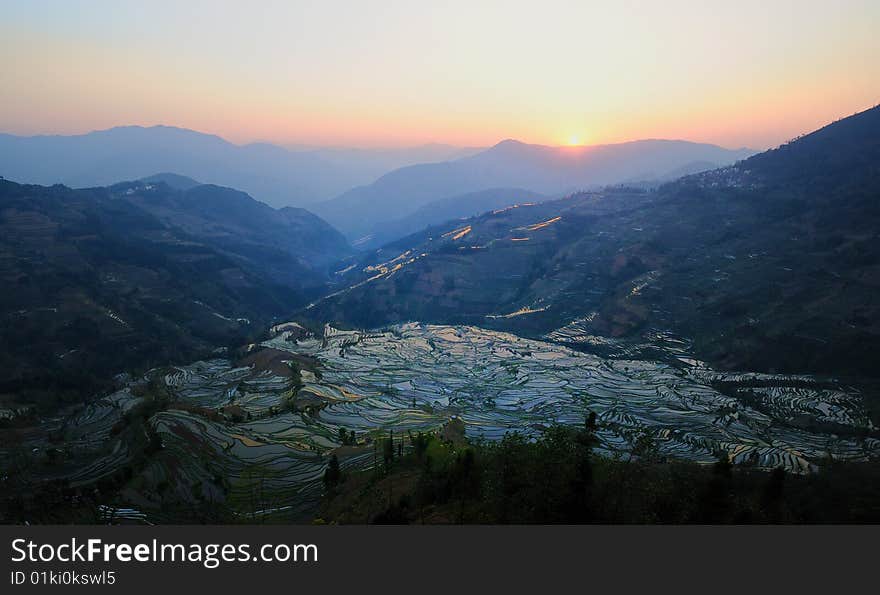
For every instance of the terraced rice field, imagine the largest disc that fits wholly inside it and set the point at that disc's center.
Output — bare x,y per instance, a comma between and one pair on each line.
259,441
417,376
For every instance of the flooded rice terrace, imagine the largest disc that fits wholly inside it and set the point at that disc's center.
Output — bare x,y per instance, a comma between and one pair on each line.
230,428
416,376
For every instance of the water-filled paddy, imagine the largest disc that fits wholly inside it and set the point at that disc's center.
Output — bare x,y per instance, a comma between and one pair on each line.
229,428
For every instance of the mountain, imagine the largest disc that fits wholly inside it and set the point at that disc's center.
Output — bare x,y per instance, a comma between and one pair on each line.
290,245
542,169
369,164
173,180
103,280
841,156
687,169
446,209
273,174
128,153
770,264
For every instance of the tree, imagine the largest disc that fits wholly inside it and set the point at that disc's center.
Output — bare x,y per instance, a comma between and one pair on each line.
419,443
465,481
591,423
582,482
388,450
332,474
715,503
723,467
771,499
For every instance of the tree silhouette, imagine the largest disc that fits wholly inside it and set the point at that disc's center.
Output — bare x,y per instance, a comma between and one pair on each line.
332,474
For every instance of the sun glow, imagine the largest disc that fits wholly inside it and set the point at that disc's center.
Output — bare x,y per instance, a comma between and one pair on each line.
301,89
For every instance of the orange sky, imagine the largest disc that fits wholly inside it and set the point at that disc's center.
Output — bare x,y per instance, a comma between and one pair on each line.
752,73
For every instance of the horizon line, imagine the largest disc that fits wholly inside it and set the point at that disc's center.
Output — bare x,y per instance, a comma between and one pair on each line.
295,147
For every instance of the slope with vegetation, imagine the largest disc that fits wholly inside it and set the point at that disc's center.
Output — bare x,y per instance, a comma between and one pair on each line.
102,281
447,209
440,478
291,245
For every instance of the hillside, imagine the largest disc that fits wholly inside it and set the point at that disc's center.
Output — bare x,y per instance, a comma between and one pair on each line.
96,285
447,209
175,181
841,156
291,245
772,264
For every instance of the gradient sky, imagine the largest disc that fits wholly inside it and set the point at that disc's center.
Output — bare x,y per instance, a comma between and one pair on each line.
389,73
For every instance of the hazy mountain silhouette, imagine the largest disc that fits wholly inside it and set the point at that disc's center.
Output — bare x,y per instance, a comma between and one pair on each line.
175,181
687,169
273,174
542,169
369,164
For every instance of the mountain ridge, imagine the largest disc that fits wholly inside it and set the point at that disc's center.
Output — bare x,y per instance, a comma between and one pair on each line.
273,174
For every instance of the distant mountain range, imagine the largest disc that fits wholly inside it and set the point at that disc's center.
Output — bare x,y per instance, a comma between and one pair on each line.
102,280
366,193
369,164
275,175
771,264
512,164
176,181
